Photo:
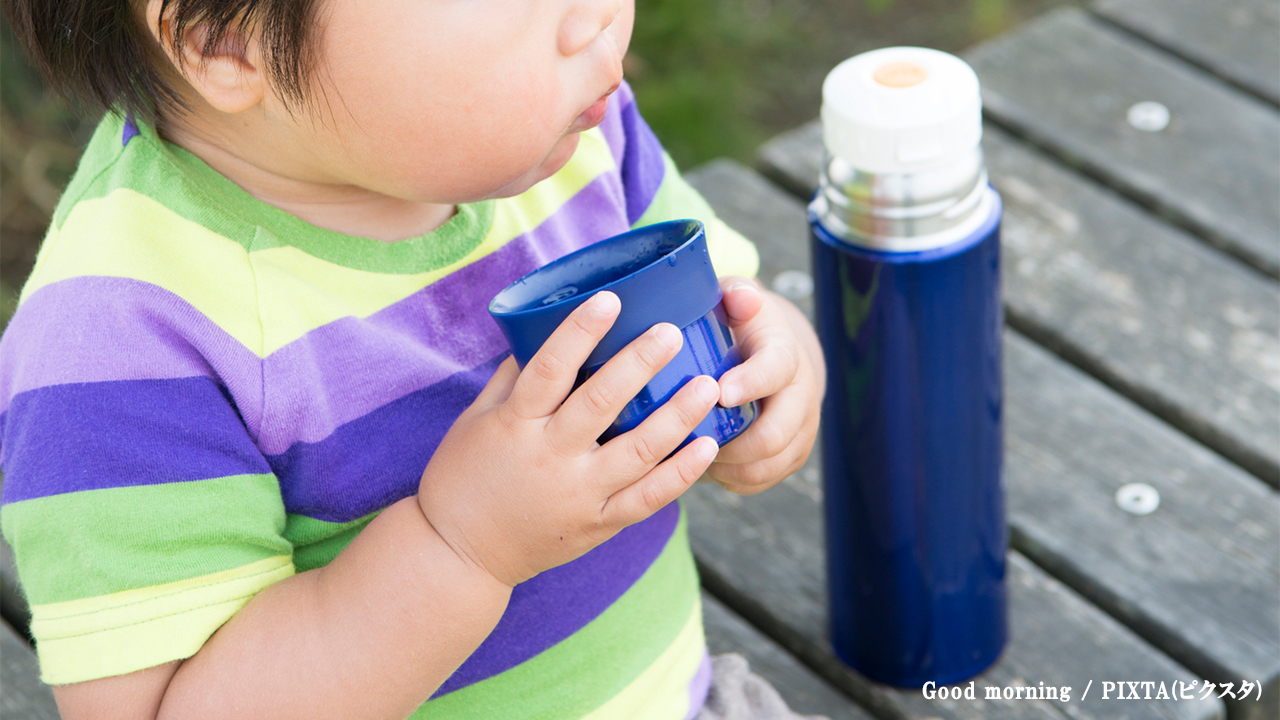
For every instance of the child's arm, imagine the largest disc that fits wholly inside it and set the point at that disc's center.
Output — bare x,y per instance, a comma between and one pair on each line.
517,486
377,629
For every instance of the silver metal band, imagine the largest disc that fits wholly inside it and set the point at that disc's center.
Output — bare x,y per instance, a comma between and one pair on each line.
903,212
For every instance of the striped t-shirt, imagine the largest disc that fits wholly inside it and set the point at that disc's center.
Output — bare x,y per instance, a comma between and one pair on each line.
203,394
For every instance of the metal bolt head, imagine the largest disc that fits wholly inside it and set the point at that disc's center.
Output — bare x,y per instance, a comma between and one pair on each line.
1138,499
1148,116
793,284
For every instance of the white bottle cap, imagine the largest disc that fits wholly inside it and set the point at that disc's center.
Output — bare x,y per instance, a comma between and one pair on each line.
901,110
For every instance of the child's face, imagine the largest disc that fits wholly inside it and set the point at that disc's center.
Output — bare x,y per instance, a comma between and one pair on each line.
448,101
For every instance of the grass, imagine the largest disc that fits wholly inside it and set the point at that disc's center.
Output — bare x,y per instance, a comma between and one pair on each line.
692,63
716,78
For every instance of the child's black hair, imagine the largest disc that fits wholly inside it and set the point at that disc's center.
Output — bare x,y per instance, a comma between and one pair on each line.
101,53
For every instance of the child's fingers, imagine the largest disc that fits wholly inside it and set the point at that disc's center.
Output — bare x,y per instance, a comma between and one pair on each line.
550,374
782,418
633,453
660,485
592,408
770,366
753,477
498,389
742,299
768,341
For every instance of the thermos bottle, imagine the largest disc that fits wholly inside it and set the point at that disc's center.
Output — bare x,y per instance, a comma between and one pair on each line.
906,257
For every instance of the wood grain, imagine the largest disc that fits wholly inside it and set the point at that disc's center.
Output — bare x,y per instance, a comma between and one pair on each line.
1067,80
1238,40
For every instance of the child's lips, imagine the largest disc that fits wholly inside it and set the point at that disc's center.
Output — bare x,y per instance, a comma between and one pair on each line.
593,115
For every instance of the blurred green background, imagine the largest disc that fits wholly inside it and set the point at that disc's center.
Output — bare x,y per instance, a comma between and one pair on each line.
716,78
713,77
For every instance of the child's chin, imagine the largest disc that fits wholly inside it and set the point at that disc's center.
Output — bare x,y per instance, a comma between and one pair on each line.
550,165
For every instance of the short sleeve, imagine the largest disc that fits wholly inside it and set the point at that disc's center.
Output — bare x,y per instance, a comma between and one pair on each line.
655,190
141,513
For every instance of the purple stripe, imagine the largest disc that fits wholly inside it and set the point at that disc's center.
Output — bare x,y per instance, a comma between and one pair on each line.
68,438
345,369
642,165
121,329
614,134
377,459
699,686
130,131
106,329
559,602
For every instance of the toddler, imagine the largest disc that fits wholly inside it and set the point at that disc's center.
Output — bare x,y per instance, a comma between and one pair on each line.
266,455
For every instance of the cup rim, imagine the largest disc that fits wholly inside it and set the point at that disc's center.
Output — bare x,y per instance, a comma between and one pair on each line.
678,286
694,229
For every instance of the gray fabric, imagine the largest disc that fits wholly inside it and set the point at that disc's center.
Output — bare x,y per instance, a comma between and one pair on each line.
739,694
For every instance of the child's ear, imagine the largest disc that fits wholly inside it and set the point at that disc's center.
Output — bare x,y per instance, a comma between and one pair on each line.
227,75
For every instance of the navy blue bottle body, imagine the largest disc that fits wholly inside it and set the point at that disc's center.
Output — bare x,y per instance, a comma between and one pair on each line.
912,443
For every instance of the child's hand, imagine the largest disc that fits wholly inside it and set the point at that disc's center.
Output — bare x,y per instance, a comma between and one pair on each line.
784,366
519,484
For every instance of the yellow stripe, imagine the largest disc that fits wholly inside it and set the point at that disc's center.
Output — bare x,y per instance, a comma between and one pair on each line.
42,255
301,292
115,236
114,634
731,253
298,291
662,690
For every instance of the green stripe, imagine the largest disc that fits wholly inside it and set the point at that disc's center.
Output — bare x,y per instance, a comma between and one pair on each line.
317,542
95,542
146,166
443,246
583,671
675,198
190,188
101,151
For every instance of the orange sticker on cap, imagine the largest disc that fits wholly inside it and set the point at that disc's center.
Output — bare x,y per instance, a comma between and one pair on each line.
900,74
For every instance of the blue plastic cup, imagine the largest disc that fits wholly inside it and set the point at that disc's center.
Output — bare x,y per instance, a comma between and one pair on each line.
661,273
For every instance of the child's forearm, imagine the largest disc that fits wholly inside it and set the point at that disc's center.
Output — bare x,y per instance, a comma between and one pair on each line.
371,635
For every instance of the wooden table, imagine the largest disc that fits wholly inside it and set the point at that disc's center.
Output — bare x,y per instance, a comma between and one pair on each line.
1142,293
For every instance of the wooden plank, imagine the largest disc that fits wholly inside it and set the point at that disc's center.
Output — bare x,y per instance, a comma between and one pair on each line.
1188,334
22,695
1239,40
793,160
804,691
1199,577
1071,444
762,554
1067,80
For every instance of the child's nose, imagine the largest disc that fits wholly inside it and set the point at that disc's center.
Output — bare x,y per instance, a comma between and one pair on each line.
585,20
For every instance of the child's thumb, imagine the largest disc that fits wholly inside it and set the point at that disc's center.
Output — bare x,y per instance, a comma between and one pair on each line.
742,299
499,387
